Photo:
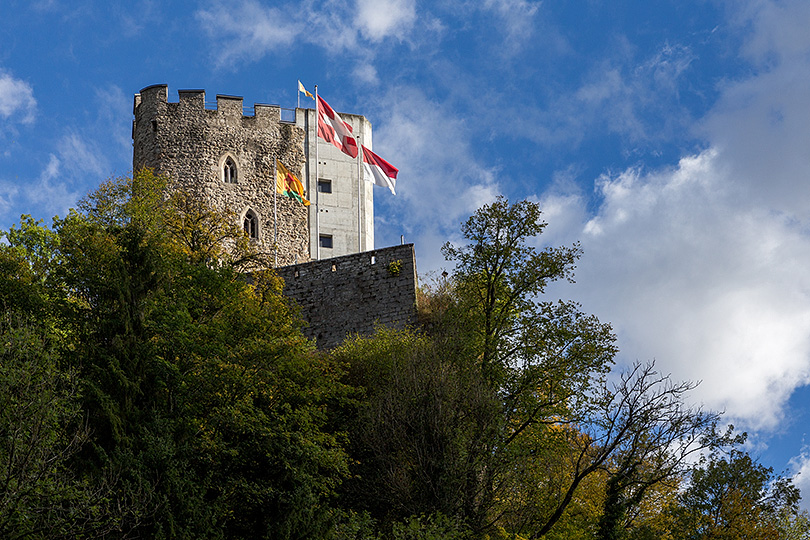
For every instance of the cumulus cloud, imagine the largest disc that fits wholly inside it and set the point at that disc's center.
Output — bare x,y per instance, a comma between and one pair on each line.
16,99
713,289
702,266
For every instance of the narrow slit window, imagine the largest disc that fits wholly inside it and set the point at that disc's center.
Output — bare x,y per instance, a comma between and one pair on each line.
229,171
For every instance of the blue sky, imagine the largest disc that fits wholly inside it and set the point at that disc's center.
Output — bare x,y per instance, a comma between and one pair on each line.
671,138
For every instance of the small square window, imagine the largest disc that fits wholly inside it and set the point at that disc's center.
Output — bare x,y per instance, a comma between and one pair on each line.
325,241
324,186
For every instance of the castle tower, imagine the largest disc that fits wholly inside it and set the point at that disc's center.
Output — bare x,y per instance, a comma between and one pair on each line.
227,157
341,217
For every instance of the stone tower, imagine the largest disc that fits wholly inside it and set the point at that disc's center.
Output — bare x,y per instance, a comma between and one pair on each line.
227,157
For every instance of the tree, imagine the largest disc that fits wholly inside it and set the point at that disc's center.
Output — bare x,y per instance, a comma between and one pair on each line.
539,358
502,413
645,435
730,495
409,431
204,401
41,429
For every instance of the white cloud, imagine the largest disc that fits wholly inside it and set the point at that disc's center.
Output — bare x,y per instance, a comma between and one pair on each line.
366,73
248,30
517,21
800,466
8,191
779,30
114,111
713,288
636,100
16,99
379,19
703,266
77,166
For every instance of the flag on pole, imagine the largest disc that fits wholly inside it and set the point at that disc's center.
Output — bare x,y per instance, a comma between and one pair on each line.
287,184
378,171
333,129
304,90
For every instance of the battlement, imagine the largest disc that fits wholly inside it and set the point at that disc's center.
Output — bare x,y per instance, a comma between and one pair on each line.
155,99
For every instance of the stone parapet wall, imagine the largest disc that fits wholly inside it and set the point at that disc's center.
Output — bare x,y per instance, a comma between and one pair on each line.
189,143
350,294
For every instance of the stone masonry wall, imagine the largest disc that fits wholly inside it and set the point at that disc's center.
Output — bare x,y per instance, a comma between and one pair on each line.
189,144
350,294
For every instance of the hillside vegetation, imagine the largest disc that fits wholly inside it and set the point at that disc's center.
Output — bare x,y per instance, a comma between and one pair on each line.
148,390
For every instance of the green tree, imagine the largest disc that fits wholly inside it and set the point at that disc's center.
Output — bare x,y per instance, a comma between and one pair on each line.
25,262
409,434
205,402
501,413
41,429
730,495
538,357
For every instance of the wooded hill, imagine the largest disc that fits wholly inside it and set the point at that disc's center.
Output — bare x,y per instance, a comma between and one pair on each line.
148,391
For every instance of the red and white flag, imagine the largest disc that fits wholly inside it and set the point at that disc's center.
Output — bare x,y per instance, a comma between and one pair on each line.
378,171
333,129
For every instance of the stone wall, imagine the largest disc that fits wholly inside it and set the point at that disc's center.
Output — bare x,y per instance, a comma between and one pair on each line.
189,143
350,294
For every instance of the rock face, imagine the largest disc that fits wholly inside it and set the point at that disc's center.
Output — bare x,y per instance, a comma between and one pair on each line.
227,158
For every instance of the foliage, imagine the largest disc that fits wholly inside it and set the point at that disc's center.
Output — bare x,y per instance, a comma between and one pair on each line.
205,406
395,267
732,496
40,431
152,390
412,428
500,413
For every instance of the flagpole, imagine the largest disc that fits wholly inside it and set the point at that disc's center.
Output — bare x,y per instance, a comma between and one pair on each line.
317,191
275,211
359,198
298,94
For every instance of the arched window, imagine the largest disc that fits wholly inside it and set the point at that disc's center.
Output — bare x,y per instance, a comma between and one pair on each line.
251,224
229,171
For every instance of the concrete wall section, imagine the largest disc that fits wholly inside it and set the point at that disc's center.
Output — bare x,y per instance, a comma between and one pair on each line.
336,214
350,294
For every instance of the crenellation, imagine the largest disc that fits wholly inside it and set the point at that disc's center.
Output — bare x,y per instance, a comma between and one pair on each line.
266,114
191,99
229,106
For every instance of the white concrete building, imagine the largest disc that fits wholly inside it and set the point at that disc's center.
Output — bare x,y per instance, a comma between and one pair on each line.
341,214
